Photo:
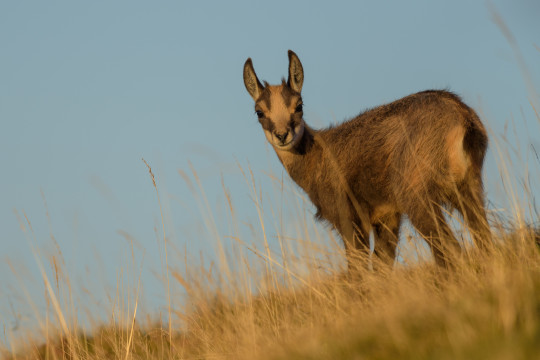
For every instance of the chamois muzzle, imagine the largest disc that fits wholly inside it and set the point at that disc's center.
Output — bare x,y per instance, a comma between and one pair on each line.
281,137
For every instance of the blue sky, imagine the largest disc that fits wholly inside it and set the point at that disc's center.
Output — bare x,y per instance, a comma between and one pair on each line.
87,89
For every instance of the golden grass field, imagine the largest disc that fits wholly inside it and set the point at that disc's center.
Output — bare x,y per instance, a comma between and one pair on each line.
296,302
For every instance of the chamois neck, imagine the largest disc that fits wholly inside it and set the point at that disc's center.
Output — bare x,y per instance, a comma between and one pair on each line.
297,158
305,145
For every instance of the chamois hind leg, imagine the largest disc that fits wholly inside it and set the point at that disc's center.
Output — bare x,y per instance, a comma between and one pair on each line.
386,236
469,201
432,226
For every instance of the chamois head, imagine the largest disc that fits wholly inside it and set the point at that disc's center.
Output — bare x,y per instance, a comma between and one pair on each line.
279,107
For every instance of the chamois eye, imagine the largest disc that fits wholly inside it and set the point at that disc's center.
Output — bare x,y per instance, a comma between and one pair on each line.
260,114
299,108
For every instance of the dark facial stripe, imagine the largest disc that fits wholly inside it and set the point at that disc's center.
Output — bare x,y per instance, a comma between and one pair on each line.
287,93
267,124
265,97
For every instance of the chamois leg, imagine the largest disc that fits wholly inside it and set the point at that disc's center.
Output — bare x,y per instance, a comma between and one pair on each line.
386,232
356,241
354,233
470,203
432,226
357,250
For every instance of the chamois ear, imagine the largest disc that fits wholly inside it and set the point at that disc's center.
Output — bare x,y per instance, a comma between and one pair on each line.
296,72
252,83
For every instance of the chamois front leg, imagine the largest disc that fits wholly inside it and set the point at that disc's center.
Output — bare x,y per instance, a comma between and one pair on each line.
386,237
355,237
356,249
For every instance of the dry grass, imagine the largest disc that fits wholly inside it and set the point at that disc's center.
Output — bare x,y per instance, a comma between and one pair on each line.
276,304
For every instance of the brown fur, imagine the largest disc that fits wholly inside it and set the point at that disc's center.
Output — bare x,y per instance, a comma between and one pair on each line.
410,157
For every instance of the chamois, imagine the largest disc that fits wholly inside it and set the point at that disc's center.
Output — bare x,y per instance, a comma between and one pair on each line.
415,156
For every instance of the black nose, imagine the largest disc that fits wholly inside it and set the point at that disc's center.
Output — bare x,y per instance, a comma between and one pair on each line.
281,137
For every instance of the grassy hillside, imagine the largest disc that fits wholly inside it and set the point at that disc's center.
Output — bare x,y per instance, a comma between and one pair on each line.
488,307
